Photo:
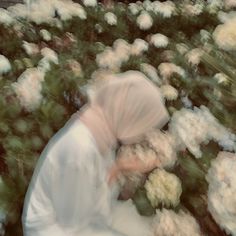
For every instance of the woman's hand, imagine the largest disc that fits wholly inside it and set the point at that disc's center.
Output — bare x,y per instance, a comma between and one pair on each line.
133,164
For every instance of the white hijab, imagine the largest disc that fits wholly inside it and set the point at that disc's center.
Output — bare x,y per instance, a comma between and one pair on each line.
124,109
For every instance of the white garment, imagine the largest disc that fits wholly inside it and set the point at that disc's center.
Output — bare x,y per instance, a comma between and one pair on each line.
68,194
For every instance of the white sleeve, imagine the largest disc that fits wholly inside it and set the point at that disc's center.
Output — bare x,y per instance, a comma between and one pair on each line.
62,195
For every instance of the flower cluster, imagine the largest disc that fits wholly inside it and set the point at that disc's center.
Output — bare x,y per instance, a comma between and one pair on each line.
110,18
163,188
168,223
169,92
113,57
28,88
48,56
44,11
168,69
164,146
144,21
222,189
225,35
159,40
193,127
5,65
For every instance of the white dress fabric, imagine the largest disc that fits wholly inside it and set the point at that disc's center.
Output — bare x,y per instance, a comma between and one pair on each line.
68,194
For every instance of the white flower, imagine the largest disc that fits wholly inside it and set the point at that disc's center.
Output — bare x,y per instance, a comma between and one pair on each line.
44,65
194,127
192,10
134,8
150,72
222,189
108,59
147,5
28,88
46,35
226,16
169,92
166,9
164,146
225,35
168,69
127,153
110,18
49,55
144,21
30,48
230,4
5,65
168,223
163,188
6,17
138,47
194,56
122,49
159,40
221,78
75,67
90,3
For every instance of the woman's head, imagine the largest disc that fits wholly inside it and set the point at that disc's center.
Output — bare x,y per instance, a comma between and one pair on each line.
132,106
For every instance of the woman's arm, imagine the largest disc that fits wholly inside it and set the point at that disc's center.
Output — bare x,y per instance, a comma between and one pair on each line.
133,164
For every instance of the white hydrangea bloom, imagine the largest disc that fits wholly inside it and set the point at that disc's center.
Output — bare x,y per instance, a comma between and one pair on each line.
221,78
146,155
169,92
230,4
90,3
28,88
44,65
168,223
163,188
214,5
44,11
144,21
138,47
168,69
46,35
110,18
108,60
164,146
225,35
193,10
6,17
222,191
122,49
166,9
30,48
112,58
5,65
193,127
147,5
159,40
50,55
194,56
226,16
150,72
134,8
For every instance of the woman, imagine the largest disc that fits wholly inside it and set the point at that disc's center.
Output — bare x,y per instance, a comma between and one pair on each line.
71,191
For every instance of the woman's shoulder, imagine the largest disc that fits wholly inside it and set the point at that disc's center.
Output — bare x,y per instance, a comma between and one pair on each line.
71,142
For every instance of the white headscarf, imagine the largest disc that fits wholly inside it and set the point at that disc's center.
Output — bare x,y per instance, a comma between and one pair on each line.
124,109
